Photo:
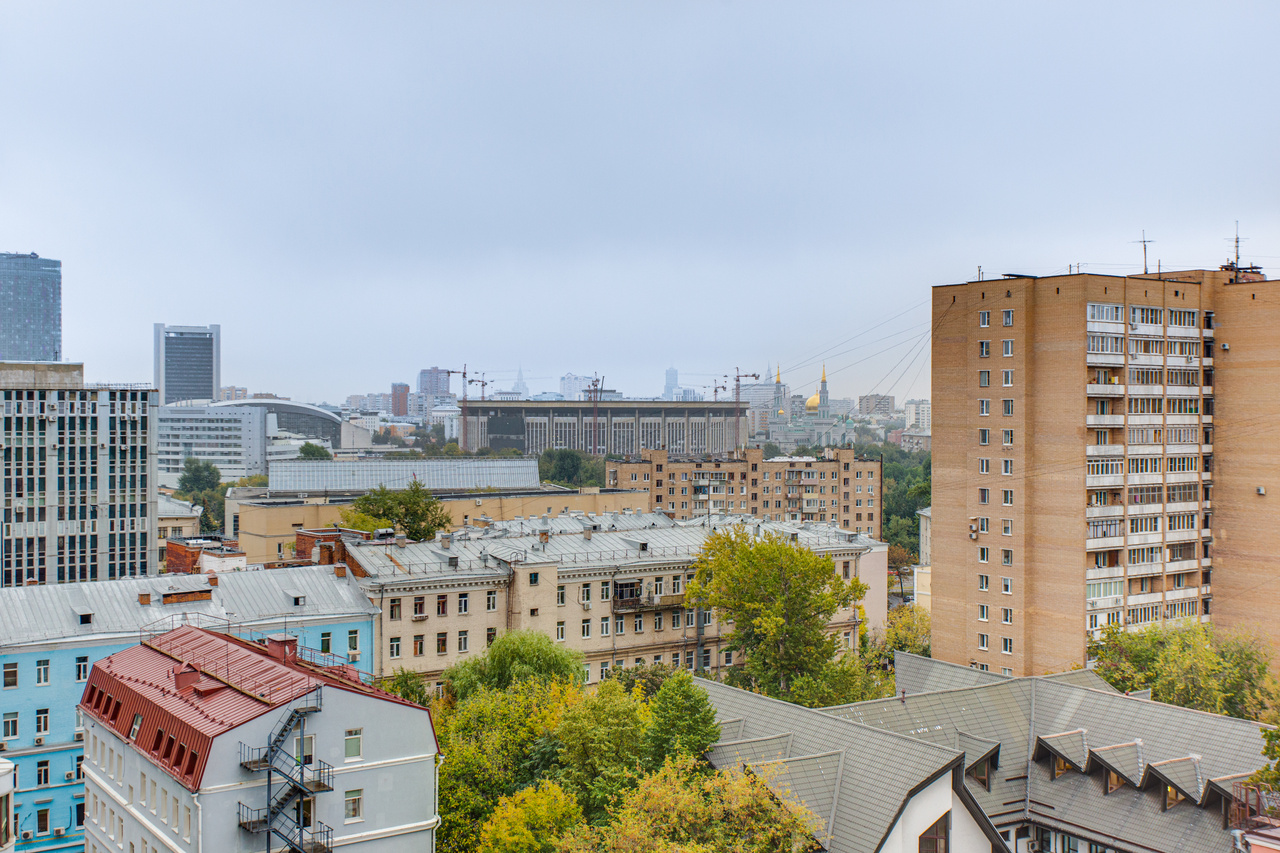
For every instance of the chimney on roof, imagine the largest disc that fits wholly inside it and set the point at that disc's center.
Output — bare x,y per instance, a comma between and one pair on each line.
340,571
401,540
586,533
544,536
213,579
446,539
282,647
144,598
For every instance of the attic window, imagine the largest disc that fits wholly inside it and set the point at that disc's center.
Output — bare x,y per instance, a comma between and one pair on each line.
981,773
137,724
86,618
1060,766
1114,781
937,838
1171,797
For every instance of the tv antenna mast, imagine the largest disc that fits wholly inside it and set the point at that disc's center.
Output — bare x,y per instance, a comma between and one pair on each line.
737,402
1144,241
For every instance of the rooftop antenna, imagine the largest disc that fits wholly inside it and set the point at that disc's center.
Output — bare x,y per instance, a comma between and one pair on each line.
1144,241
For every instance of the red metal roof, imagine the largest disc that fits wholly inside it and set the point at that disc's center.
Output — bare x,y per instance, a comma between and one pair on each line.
188,686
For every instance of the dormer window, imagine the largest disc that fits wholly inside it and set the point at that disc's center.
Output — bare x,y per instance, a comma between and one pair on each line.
1114,781
1060,766
1171,797
981,773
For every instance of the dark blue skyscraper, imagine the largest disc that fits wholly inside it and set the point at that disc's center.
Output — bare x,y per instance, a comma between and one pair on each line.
30,308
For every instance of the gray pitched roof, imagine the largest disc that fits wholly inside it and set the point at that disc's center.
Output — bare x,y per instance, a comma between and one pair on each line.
51,612
855,778
917,674
1149,743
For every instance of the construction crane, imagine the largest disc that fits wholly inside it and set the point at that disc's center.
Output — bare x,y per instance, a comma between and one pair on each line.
737,402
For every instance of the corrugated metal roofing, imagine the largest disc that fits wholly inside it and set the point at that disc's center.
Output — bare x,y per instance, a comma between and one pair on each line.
617,543
436,474
50,612
171,507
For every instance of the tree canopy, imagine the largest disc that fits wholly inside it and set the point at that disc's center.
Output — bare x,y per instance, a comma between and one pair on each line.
779,597
571,468
530,820
1194,666
413,510
313,451
514,656
683,722
198,476
601,748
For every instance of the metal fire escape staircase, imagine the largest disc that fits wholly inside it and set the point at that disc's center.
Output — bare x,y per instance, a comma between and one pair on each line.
290,780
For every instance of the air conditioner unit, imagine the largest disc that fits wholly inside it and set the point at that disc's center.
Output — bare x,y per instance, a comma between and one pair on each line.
1190,359
1033,847
69,775
973,535
479,502
973,527
79,736
419,617
39,741
353,656
26,835
3,746
586,605
59,831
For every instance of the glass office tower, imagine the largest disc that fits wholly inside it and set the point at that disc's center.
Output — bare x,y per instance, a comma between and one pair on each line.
30,308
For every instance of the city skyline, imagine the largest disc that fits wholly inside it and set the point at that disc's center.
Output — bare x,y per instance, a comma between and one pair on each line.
382,167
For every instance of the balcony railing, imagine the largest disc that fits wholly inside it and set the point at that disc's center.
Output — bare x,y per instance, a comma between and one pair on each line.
648,602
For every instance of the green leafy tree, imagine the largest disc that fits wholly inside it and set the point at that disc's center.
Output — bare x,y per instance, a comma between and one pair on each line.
779,597
530,821
313,451
414,510
1268,776
677,810
352,519
849,678
198,476
602,747
770,450
907,628
1193,666
683,721
571,468
648,677
408,685
902,533
514,656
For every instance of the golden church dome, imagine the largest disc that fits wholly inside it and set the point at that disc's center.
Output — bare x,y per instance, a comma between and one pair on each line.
812,404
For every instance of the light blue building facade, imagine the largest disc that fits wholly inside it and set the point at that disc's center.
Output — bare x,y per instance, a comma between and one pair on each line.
51,635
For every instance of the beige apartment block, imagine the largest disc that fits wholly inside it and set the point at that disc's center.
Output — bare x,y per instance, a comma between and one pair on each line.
610,586
265,523
1105,457
841,488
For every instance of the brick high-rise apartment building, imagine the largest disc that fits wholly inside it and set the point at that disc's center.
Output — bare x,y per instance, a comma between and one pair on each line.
841,488
1079,476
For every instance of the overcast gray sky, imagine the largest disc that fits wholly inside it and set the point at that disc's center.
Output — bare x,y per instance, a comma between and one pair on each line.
356,191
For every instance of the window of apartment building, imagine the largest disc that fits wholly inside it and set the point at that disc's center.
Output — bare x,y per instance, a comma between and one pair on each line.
1106,313
984,407
984,466
984,378
604,626
442,605
1008,316
1006,586
637,624
1006,557
491,600
1007,408
533,578
584,594
559,630
984,583
1006,615
464,602
1008,378
419,606
491,634
604,590
984,523
1006,645
353,806
984,319
42,672
675,618
353,744
1007,347
1187,319
984,349
419,645
462,641
82,668
1006,497
442,643
983,612
1006,527
326,642
619,625
1182,521
393,648
1006,467
1141,314
586,629
1008,438
676,581
10,725
982,642
657,621
984,496
353,641
984,553
1144,524
984,436
394,609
